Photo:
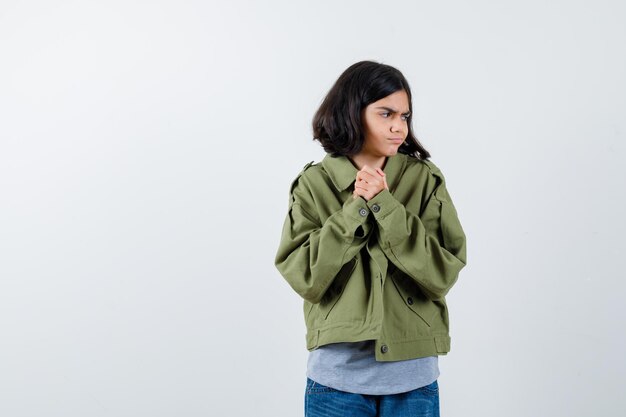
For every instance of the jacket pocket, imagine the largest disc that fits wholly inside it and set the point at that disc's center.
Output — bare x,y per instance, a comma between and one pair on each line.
334,292
414,299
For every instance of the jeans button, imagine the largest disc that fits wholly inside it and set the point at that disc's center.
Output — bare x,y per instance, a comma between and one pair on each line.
409,301
362,212
375,208
384,348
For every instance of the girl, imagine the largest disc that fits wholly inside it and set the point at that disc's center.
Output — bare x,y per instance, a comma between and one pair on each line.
372,243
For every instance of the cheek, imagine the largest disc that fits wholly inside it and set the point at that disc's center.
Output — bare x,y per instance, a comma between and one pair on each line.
383,131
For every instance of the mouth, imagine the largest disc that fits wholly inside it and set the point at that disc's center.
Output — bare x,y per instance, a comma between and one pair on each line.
396,140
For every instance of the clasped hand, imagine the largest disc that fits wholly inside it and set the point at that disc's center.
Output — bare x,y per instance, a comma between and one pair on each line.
369,182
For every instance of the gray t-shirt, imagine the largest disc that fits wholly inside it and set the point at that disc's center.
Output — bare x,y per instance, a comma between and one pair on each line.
352,367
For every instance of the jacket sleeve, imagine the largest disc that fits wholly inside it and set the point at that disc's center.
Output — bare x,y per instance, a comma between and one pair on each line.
431,248
310,254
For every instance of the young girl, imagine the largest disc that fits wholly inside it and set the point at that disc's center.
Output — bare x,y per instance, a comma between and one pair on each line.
372,243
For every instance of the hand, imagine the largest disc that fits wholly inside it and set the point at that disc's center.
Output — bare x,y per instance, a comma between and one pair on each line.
369,182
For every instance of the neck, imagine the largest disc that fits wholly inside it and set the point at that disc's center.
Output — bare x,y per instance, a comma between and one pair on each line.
371,161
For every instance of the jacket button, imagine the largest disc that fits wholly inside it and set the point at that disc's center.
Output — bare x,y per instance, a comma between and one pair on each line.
384,348
375,208
363,212
409,300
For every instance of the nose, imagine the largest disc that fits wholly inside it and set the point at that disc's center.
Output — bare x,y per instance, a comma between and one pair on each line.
397,125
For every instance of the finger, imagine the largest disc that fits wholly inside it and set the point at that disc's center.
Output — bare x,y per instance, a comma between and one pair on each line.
374,182
369,170
370,177
380,171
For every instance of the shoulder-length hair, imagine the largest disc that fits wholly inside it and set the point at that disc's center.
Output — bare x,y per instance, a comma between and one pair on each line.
337,124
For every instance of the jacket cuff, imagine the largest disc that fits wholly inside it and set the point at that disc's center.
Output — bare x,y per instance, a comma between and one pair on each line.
356,213
383,204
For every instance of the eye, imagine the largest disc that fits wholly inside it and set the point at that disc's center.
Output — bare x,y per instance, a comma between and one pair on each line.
385,114
405,117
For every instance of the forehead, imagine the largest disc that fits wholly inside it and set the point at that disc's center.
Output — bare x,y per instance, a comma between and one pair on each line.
398,101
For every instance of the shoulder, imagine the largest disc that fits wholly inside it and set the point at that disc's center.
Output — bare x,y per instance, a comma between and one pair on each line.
315,176
309,172
426,166
312,170
426,176
422,170
306,166
303,179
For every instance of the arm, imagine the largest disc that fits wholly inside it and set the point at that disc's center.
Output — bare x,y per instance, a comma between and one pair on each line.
310,254
431,248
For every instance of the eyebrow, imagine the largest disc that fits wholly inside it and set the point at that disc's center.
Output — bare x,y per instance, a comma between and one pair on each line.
389,109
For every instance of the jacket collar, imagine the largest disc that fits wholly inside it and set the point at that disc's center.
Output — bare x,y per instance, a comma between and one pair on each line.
343,173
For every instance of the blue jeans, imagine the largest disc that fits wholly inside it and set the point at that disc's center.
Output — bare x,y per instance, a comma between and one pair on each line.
323,401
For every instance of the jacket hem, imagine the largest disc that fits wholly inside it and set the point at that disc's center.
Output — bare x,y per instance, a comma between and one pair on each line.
412,349
386,351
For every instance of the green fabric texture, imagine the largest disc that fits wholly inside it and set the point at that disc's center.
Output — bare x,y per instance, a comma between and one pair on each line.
373,270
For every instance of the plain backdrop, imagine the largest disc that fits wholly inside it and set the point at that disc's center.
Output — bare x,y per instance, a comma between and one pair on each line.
146,152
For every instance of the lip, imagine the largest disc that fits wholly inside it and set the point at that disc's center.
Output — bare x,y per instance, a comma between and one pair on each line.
396,140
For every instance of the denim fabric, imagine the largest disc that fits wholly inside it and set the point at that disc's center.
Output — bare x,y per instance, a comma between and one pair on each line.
323,401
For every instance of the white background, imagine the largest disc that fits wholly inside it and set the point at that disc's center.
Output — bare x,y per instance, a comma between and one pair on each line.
147,147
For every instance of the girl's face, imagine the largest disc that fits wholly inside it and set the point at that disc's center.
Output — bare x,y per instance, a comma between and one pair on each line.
385,125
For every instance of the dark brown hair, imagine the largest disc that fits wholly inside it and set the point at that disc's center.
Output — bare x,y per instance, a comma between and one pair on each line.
337,124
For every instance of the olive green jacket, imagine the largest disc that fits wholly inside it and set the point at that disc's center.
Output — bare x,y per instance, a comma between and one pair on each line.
373,270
